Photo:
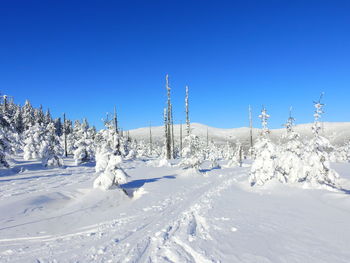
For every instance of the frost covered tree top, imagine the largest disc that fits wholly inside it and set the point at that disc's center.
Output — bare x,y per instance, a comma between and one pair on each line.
264,117
317,115
290,122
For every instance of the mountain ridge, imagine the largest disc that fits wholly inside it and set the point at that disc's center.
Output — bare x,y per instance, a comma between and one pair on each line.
336,132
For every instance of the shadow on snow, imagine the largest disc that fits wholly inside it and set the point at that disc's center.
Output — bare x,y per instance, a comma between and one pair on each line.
139,183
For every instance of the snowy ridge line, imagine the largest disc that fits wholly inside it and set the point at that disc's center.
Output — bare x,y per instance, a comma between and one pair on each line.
337,132
191,222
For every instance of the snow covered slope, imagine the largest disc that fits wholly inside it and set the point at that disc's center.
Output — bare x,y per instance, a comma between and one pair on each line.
337,132
49,215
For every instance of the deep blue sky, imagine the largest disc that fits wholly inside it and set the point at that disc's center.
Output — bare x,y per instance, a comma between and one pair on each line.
84,57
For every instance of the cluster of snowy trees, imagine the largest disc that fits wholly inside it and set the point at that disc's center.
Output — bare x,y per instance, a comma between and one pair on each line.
36,135
294,160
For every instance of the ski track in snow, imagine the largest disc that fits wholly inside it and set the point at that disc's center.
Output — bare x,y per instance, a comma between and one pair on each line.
166,225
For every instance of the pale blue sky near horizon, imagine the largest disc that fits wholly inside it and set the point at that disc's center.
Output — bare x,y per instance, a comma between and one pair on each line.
85,57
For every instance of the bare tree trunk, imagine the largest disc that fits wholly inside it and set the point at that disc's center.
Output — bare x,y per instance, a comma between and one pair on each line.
168,140
251,131
65,135
172,133
166,137
150,138
115,121
240,155
188,128
180,138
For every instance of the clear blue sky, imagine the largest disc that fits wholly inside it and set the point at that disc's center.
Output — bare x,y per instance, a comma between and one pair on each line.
84,57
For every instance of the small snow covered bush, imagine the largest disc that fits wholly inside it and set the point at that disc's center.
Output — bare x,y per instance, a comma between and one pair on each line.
108,161
264,166
192,155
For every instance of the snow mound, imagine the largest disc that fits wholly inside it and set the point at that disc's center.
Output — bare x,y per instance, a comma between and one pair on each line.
139,192
107,179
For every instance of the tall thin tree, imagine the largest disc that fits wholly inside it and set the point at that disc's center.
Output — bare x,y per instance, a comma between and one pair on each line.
65,134
150,138
172,132
166,137
180,138
188,128
168,123
251,131
115,121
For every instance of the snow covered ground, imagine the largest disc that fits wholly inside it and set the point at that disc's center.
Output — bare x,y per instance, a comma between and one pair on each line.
49,215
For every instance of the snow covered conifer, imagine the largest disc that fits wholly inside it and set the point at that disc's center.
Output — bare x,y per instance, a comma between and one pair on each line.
50,150
236,159
28,115
39,116
84,150
18,121
212,154
33,139
192,154
3,149
58,127
290,163
108,160
317,167
47,117
264,166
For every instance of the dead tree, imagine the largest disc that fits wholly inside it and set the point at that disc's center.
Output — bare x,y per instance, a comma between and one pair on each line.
166,138
251,131
172,132
168,121
150,139
180,138
188,128
65,135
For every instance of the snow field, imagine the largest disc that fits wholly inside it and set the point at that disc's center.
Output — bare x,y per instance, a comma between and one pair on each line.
50,215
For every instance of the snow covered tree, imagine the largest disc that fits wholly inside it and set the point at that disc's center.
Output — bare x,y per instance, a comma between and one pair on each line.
290,163
39,116
317,167
47,117
58,127
18,121
264,166
73,136
33,139
192,154
4,146
28,115
50,149
227,151
109,160
212,154
84,144
237,158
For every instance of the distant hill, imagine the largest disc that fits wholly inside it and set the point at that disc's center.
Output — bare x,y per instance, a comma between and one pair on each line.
336,132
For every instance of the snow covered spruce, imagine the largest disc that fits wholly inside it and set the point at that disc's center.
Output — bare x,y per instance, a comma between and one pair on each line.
264,166
108,160
293,161
316,158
